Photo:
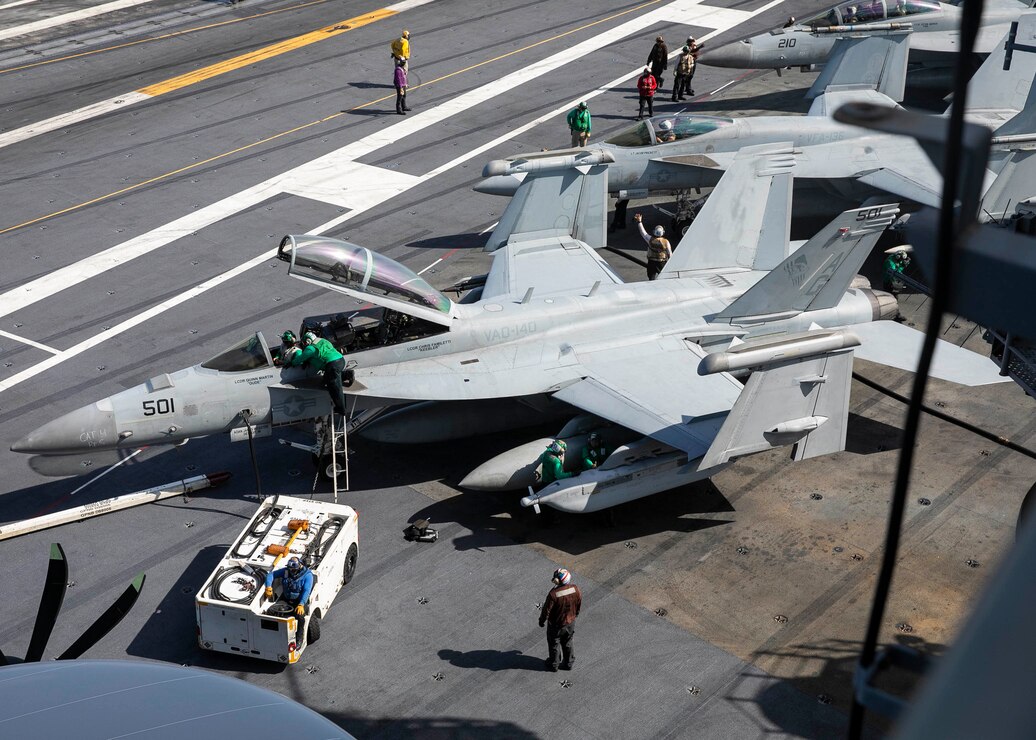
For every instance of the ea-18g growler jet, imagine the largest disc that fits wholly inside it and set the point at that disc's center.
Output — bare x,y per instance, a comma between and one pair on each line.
554,325
933,28
837,165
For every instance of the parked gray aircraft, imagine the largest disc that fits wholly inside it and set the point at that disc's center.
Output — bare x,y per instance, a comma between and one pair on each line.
934,36
554,325
837,164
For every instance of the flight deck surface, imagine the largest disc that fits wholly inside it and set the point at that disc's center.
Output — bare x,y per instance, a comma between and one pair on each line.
137,239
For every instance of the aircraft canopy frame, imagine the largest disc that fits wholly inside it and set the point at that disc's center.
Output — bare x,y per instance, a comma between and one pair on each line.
364,274
649,132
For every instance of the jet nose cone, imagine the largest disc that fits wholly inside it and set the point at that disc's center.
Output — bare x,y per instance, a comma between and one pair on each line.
91,427
737,55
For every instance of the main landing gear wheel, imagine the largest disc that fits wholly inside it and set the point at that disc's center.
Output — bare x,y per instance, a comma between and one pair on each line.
313,629
350,564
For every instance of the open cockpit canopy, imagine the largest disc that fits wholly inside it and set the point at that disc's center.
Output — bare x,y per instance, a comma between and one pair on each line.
364,275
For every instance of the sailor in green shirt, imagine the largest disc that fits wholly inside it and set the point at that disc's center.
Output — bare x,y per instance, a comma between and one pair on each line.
322,355
594,453
552,460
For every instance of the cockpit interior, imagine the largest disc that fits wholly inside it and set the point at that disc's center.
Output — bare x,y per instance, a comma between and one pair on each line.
667,129
870,11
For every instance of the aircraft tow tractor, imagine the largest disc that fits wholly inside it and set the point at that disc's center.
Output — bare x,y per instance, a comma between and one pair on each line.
233,614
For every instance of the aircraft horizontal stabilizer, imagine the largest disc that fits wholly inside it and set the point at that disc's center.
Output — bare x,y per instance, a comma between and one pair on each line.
893,344
746,221
817,275
804,402
555,203
876,61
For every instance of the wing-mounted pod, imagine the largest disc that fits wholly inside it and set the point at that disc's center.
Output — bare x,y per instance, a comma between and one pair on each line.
364,275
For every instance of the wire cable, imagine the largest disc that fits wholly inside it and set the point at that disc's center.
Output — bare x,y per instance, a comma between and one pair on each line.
971,17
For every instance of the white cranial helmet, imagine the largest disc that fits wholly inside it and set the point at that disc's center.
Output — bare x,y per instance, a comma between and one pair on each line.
666,125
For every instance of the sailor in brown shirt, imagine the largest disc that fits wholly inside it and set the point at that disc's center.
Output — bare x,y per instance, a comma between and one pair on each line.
559,614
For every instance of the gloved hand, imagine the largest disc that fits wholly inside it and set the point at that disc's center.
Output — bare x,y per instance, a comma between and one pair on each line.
542,624
269,592
300,610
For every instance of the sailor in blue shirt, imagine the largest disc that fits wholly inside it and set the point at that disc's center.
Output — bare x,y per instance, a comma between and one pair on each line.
296,584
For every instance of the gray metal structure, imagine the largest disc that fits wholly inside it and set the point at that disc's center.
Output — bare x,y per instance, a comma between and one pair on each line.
932,30
554,323
837,165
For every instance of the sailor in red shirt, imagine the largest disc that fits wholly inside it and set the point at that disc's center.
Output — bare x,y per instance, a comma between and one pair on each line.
646,86
559,614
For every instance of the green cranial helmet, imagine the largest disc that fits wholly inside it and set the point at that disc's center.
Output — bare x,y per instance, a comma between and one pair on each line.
309,337
289,337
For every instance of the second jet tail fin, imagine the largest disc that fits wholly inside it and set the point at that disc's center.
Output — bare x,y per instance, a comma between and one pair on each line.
878,61
817,275
746,221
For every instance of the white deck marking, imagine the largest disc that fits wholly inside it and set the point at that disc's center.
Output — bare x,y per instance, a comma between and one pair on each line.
72,117
29,342
63,20
15,4
422,272
44,287
407,5
328,172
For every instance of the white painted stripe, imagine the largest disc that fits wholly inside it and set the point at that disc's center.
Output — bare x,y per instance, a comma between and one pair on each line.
72,117
119,254
134,321
16,4
29,342
336,171
422,272
488,228
61,20
407,5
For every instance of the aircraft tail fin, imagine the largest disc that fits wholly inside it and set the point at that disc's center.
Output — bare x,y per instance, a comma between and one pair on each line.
817,275
1005,79
877,61
570,201
804,402
746,221
1014,184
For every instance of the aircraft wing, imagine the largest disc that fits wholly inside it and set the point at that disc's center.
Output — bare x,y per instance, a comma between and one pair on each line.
878,60
835,96
653,387
949,42
569,199
548,266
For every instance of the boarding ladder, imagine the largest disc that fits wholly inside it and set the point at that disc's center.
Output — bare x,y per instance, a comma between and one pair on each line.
338,436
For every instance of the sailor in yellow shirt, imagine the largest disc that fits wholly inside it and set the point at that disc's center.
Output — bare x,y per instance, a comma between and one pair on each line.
401,49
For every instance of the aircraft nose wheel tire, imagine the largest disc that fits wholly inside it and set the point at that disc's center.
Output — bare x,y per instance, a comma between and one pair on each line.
327,469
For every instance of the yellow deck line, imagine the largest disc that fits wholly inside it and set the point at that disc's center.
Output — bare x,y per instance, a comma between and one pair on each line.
162,37
267,52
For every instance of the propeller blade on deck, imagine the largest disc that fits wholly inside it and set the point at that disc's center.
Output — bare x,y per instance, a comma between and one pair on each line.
50,603
107,621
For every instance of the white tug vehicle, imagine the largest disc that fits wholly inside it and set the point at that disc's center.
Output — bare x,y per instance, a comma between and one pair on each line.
234,616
